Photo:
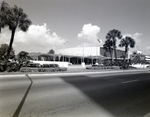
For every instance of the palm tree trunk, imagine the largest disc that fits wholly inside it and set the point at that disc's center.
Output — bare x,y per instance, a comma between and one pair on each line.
125,55
111,56
10,44
126,50
115,53
114,46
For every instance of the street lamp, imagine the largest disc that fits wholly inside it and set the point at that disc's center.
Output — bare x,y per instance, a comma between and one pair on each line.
96,49
64,47
83,51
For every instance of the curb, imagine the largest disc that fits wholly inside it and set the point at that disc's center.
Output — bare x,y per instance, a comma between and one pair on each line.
12,75
77,73
90,72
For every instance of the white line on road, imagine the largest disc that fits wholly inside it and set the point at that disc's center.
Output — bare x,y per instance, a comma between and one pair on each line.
130,81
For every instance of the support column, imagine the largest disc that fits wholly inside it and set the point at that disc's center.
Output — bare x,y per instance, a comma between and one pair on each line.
69,59
54,58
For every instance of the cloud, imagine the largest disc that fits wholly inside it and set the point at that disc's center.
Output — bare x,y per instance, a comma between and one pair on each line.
38,38
87,44
90,33
135,36
147,48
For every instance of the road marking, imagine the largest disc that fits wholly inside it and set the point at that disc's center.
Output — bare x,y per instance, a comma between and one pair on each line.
130,81
16,114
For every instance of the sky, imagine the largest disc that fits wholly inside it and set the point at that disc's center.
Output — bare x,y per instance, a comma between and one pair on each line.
80,23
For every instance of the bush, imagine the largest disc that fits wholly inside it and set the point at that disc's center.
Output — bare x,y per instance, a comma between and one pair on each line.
28,69
124,65
9,67
13,67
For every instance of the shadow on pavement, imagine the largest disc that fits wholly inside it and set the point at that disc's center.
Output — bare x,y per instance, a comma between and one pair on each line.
121,100
23,99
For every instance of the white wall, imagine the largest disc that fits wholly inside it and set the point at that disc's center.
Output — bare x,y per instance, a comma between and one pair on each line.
80,51
61,64
140,65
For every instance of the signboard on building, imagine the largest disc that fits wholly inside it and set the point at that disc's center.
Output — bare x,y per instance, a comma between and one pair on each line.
138,58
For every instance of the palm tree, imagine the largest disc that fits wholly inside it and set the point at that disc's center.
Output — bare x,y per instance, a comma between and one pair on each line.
4,9
127,42
113,35
22,56
108,47
15,18
51,51
3,52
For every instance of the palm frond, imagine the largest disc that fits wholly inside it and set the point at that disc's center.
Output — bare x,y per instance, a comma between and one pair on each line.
24,24
4,7
4,11
126,42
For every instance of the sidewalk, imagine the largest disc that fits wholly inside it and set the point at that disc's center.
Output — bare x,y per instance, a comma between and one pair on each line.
147,115
73,69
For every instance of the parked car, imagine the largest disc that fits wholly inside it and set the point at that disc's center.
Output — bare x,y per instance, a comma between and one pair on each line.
30,67
52,68
57,68
148,66
69,63
37,65
101,66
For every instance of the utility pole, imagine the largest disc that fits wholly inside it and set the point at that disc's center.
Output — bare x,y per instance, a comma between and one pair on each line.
137,48
64,47
83,48
96,48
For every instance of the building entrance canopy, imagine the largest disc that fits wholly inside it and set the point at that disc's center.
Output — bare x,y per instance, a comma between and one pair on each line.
67,58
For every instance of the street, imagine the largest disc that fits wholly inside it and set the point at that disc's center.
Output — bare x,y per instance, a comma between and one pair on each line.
83,95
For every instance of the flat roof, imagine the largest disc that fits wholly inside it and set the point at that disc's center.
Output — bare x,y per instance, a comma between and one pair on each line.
71,56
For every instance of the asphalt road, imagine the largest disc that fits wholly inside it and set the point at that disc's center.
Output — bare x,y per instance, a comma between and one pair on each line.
84,95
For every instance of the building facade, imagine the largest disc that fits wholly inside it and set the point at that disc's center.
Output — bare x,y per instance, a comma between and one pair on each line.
78,55
138,57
